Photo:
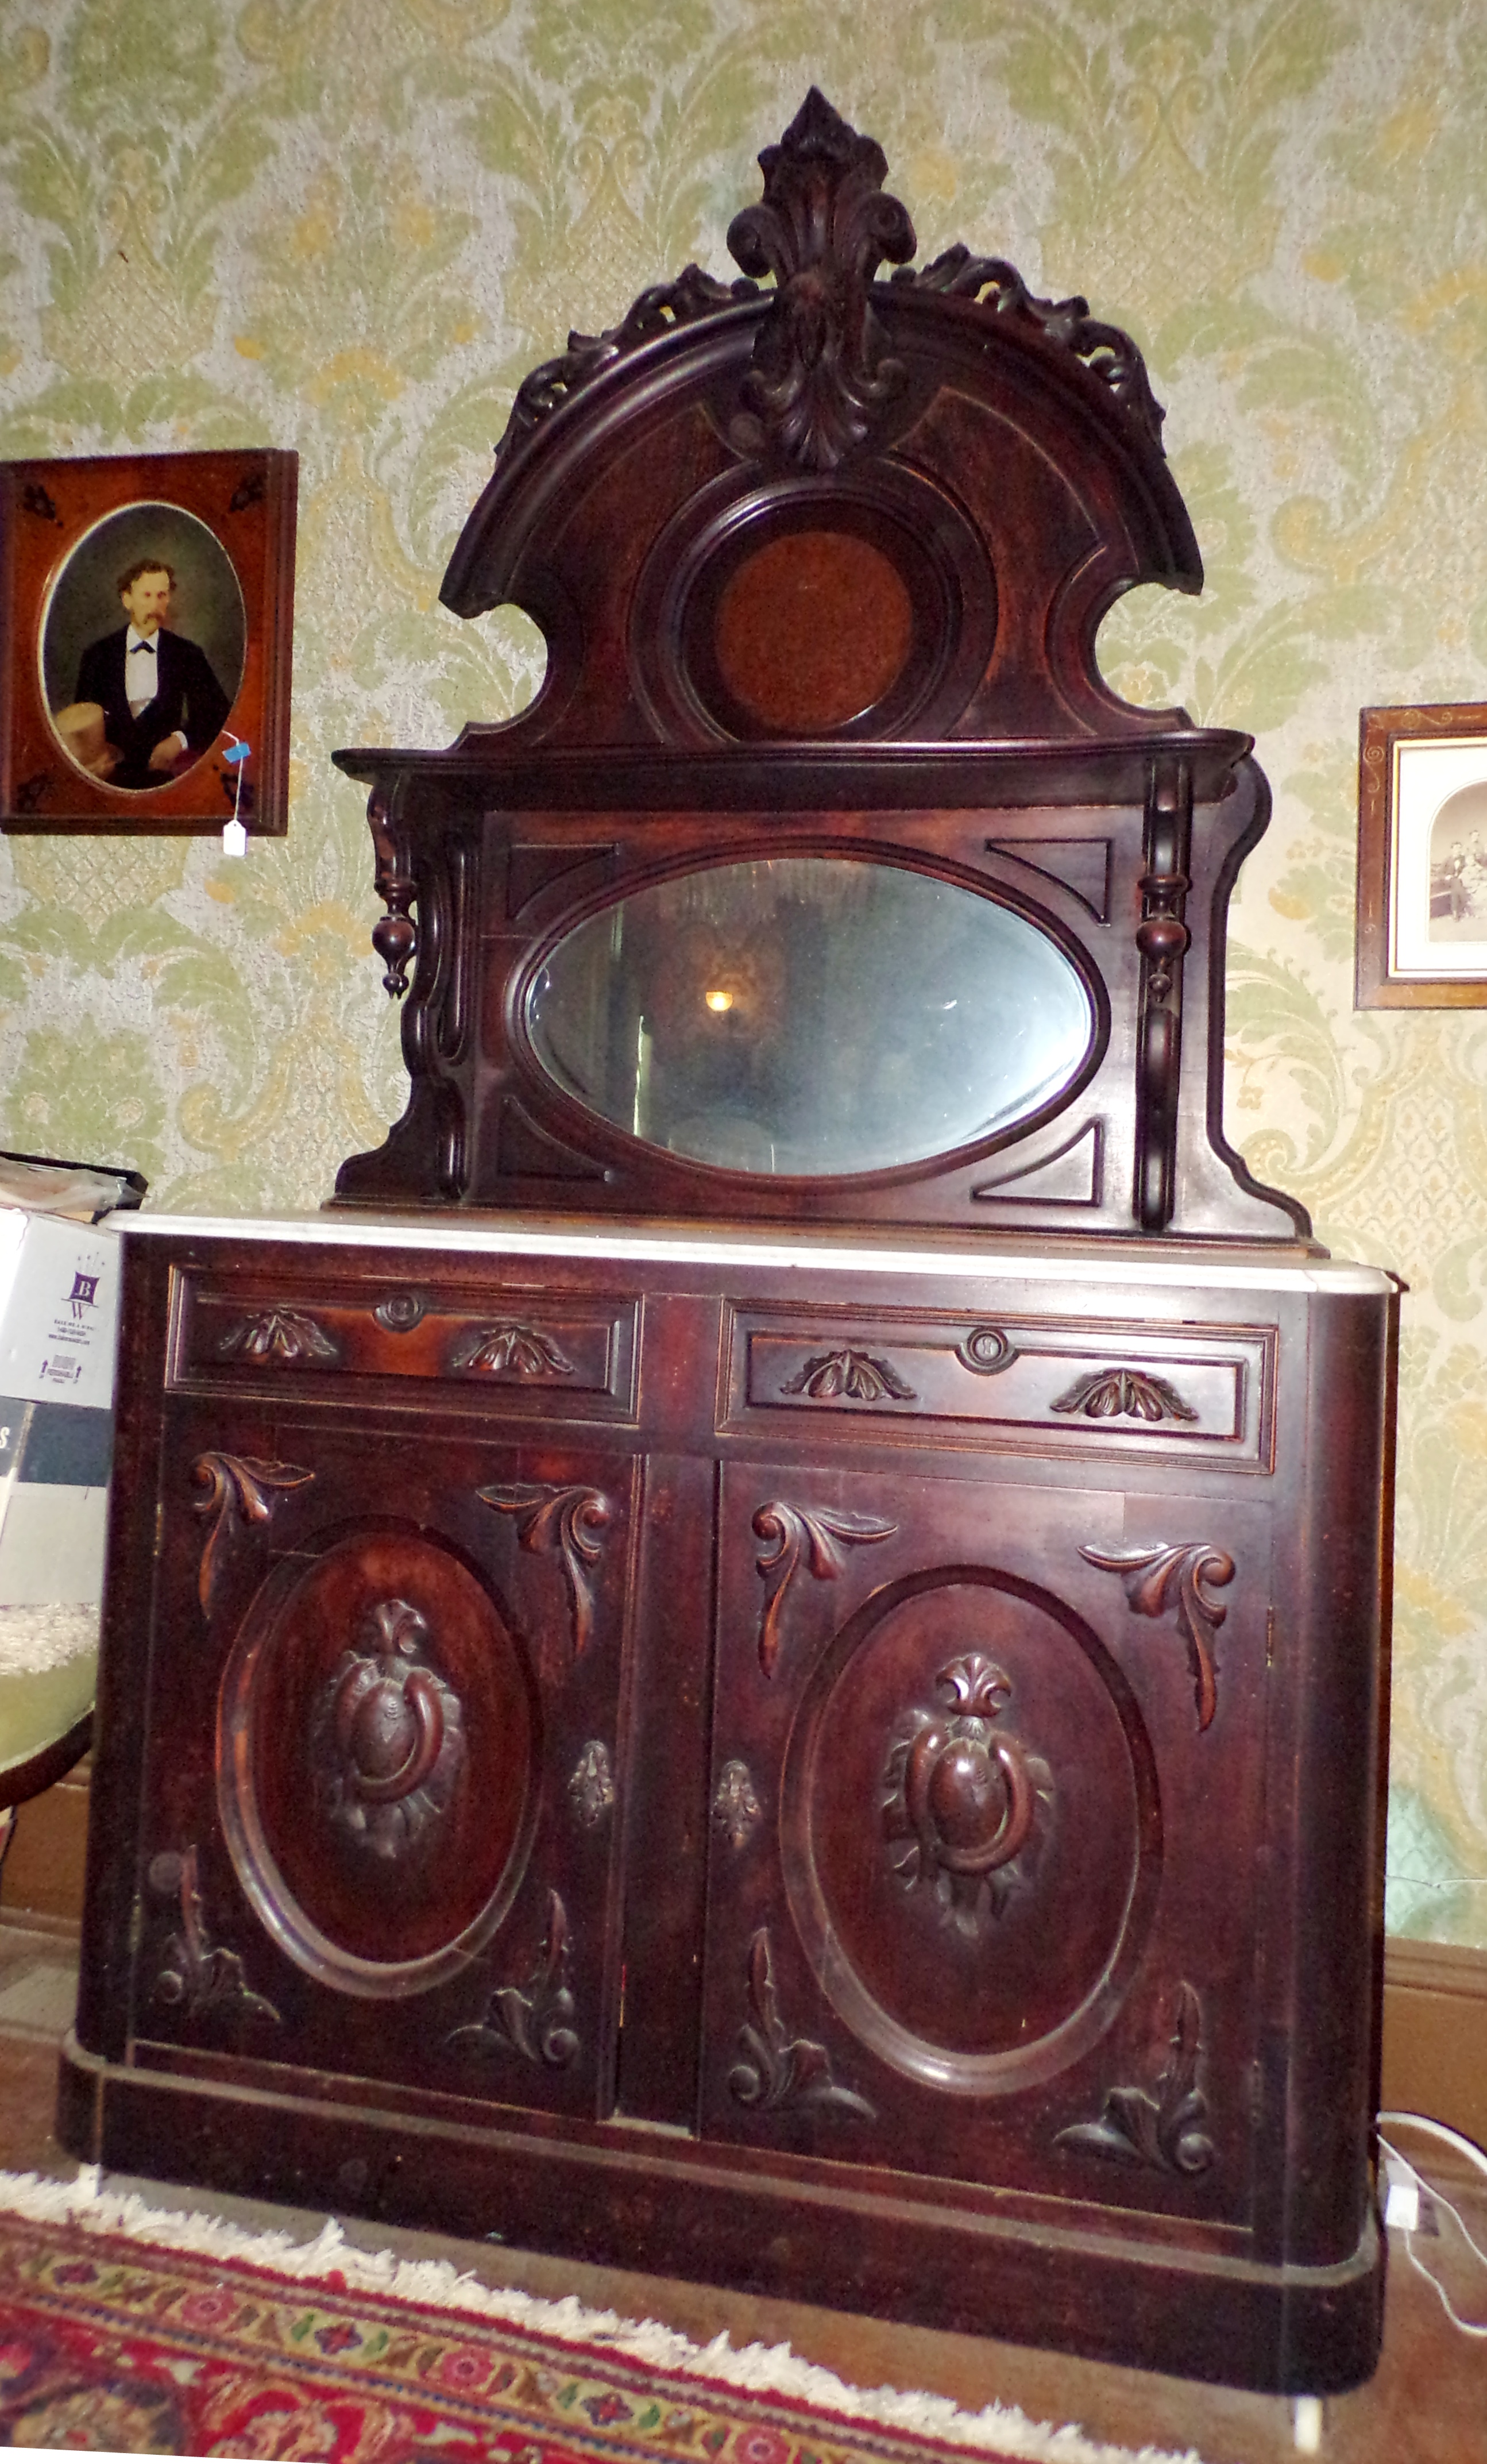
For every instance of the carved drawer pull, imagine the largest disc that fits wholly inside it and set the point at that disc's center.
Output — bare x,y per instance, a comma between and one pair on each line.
849,1377
278,1334
1125,1394
510,1350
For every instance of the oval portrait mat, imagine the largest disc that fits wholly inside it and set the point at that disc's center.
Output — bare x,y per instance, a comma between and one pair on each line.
83,604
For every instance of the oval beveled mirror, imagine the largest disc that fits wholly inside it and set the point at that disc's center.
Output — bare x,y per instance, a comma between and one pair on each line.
810,1015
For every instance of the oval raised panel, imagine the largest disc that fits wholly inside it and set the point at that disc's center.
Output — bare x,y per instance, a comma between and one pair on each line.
377,1756
971,1830
811,1016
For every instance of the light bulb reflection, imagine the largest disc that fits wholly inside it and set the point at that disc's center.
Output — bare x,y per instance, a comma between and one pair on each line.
718,1003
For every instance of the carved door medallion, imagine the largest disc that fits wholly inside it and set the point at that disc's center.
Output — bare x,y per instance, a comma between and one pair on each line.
971,1829
377,1744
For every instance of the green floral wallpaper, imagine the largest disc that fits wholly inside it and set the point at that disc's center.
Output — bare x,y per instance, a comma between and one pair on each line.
349,226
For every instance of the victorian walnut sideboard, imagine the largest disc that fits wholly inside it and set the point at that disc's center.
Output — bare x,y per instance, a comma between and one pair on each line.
760,1654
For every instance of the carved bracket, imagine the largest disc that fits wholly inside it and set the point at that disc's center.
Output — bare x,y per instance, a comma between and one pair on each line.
736,1811
198,1975
1125,1394
775,2069
536,2024
849,1377
1163,2128
571,1520
278,1334
820,1537
1150,1574
964,1804
236,1484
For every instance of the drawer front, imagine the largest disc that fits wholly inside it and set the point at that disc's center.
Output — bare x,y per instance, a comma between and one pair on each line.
1022,1384
524,1345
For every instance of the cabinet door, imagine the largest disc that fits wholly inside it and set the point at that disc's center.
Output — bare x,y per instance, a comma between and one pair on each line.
381,1778
969,1910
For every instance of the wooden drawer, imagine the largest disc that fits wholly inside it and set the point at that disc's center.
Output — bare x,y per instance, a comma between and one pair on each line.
1021,1382
524,1345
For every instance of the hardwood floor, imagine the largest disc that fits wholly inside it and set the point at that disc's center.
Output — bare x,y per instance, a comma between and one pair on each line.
1427,2404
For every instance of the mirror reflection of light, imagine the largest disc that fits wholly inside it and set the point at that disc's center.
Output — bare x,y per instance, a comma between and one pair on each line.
719,1001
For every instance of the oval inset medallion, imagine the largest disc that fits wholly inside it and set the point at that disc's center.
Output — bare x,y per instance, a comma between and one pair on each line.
812,1015
971,1830
377,1758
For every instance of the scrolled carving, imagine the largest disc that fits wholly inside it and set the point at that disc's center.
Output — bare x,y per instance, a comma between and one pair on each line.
818,1535
387,1742
1150,1573
37,499
986,1351
1110,354
510,1349
1125,1394
775,2069
198,1975
571,1520
658,309
277,1335
819,376
736,1811
591,1789
963,1804
850,1377
240,1483
1162,2128
537,2023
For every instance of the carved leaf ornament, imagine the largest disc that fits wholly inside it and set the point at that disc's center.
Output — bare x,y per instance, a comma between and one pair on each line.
571,1520
240,1484
775,2069
851,1377
1150,1573
537,2023
818,1534
1163,2128
198,1975
508,1350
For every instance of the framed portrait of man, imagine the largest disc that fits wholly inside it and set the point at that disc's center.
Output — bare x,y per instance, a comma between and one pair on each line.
146,614
1422,857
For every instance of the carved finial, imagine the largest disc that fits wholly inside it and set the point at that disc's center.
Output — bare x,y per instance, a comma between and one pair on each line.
823,227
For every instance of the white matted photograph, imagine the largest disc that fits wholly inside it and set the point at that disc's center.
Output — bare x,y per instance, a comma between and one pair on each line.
1422,857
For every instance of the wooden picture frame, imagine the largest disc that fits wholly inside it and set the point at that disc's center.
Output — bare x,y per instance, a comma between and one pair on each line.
1422,857
74,756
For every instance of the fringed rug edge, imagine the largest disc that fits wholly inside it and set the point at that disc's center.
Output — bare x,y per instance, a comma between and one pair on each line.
771,2369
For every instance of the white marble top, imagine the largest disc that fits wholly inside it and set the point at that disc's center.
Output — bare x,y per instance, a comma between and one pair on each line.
824,1250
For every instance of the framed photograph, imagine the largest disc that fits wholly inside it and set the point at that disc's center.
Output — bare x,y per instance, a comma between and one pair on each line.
1422,858
146,619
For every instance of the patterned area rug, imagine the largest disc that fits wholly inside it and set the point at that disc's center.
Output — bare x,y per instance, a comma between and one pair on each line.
133,2329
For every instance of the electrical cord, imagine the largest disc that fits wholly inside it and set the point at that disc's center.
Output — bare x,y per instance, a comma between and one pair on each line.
1463,2147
